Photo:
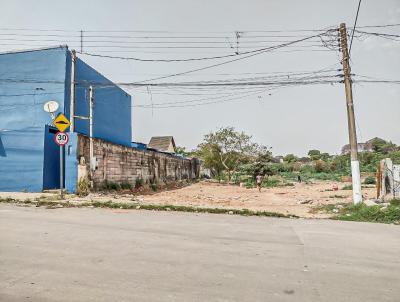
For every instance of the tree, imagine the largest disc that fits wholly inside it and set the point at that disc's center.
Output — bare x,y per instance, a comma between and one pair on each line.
182,151
325,156
226,149
314,154
381,146
290,158
378,144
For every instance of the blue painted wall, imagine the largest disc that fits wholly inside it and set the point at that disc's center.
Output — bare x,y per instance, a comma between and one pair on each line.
27,80
112,106
51,162
71,163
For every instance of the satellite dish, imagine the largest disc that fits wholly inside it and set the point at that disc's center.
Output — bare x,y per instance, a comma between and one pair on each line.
50,106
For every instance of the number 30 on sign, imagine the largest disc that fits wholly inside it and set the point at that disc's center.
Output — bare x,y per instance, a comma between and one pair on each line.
61,138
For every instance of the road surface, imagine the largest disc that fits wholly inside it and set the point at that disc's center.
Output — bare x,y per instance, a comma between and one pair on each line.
128,255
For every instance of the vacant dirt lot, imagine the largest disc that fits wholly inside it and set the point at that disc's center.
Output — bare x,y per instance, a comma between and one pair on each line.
297,200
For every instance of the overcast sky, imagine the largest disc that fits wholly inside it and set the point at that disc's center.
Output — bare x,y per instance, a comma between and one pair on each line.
290,120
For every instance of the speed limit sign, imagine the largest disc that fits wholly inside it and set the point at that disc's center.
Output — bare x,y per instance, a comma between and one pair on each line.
61,138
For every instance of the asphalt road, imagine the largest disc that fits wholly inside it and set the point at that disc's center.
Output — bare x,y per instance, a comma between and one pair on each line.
119,255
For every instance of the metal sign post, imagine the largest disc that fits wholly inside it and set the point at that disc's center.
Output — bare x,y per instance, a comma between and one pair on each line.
61,139
61,171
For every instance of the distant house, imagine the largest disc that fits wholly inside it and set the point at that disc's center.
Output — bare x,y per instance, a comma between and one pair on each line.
162,143
304,160
277,159
362,147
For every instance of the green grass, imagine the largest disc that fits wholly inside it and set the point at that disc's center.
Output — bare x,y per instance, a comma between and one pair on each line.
370,180
126,186
348,187
311,175
152,207
362,212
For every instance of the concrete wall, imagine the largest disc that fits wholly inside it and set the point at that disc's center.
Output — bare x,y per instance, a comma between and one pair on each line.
121,164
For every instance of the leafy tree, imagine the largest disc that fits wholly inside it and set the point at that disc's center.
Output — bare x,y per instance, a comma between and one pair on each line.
314,154
226,149
182,151
290,158
381,146
209,153
377,144
325,156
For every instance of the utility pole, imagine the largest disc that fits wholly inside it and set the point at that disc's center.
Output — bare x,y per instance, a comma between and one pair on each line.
81,41
355,165
72,94
92,159
91,155
62,172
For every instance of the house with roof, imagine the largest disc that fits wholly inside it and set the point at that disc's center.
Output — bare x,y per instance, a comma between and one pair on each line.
361,147
162,143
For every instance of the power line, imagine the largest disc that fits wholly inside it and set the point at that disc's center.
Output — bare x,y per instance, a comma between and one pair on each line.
383,25
377,34
354,27
176,60
29,94
230,61
158,31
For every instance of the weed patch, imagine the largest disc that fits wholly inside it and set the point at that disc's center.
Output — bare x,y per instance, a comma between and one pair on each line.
362,212
348,187
152,207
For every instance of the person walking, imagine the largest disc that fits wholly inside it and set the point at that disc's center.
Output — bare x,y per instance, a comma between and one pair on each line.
259,179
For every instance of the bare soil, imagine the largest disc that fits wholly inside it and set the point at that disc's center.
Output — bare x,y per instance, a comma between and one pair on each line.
296,200
299,199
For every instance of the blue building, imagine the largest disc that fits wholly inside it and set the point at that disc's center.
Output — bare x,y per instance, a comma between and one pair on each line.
29,158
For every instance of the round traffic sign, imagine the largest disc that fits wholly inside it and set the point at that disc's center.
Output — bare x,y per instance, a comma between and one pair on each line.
61,138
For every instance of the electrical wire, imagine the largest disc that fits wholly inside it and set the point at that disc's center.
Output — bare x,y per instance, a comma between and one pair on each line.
354,27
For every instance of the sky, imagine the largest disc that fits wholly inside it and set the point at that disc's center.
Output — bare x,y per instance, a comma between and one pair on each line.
290,120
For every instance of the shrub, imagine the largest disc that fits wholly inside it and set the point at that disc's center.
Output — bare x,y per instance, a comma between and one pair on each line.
370,180
395,202
249,184
83,187
287,184
348,187
321,166
107,185
126,186
270,182
139,183
361,212
288,175
154,185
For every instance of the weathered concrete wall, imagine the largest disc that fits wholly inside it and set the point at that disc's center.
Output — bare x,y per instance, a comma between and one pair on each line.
121,164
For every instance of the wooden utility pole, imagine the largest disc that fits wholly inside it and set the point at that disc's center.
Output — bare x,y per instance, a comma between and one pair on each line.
355,165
